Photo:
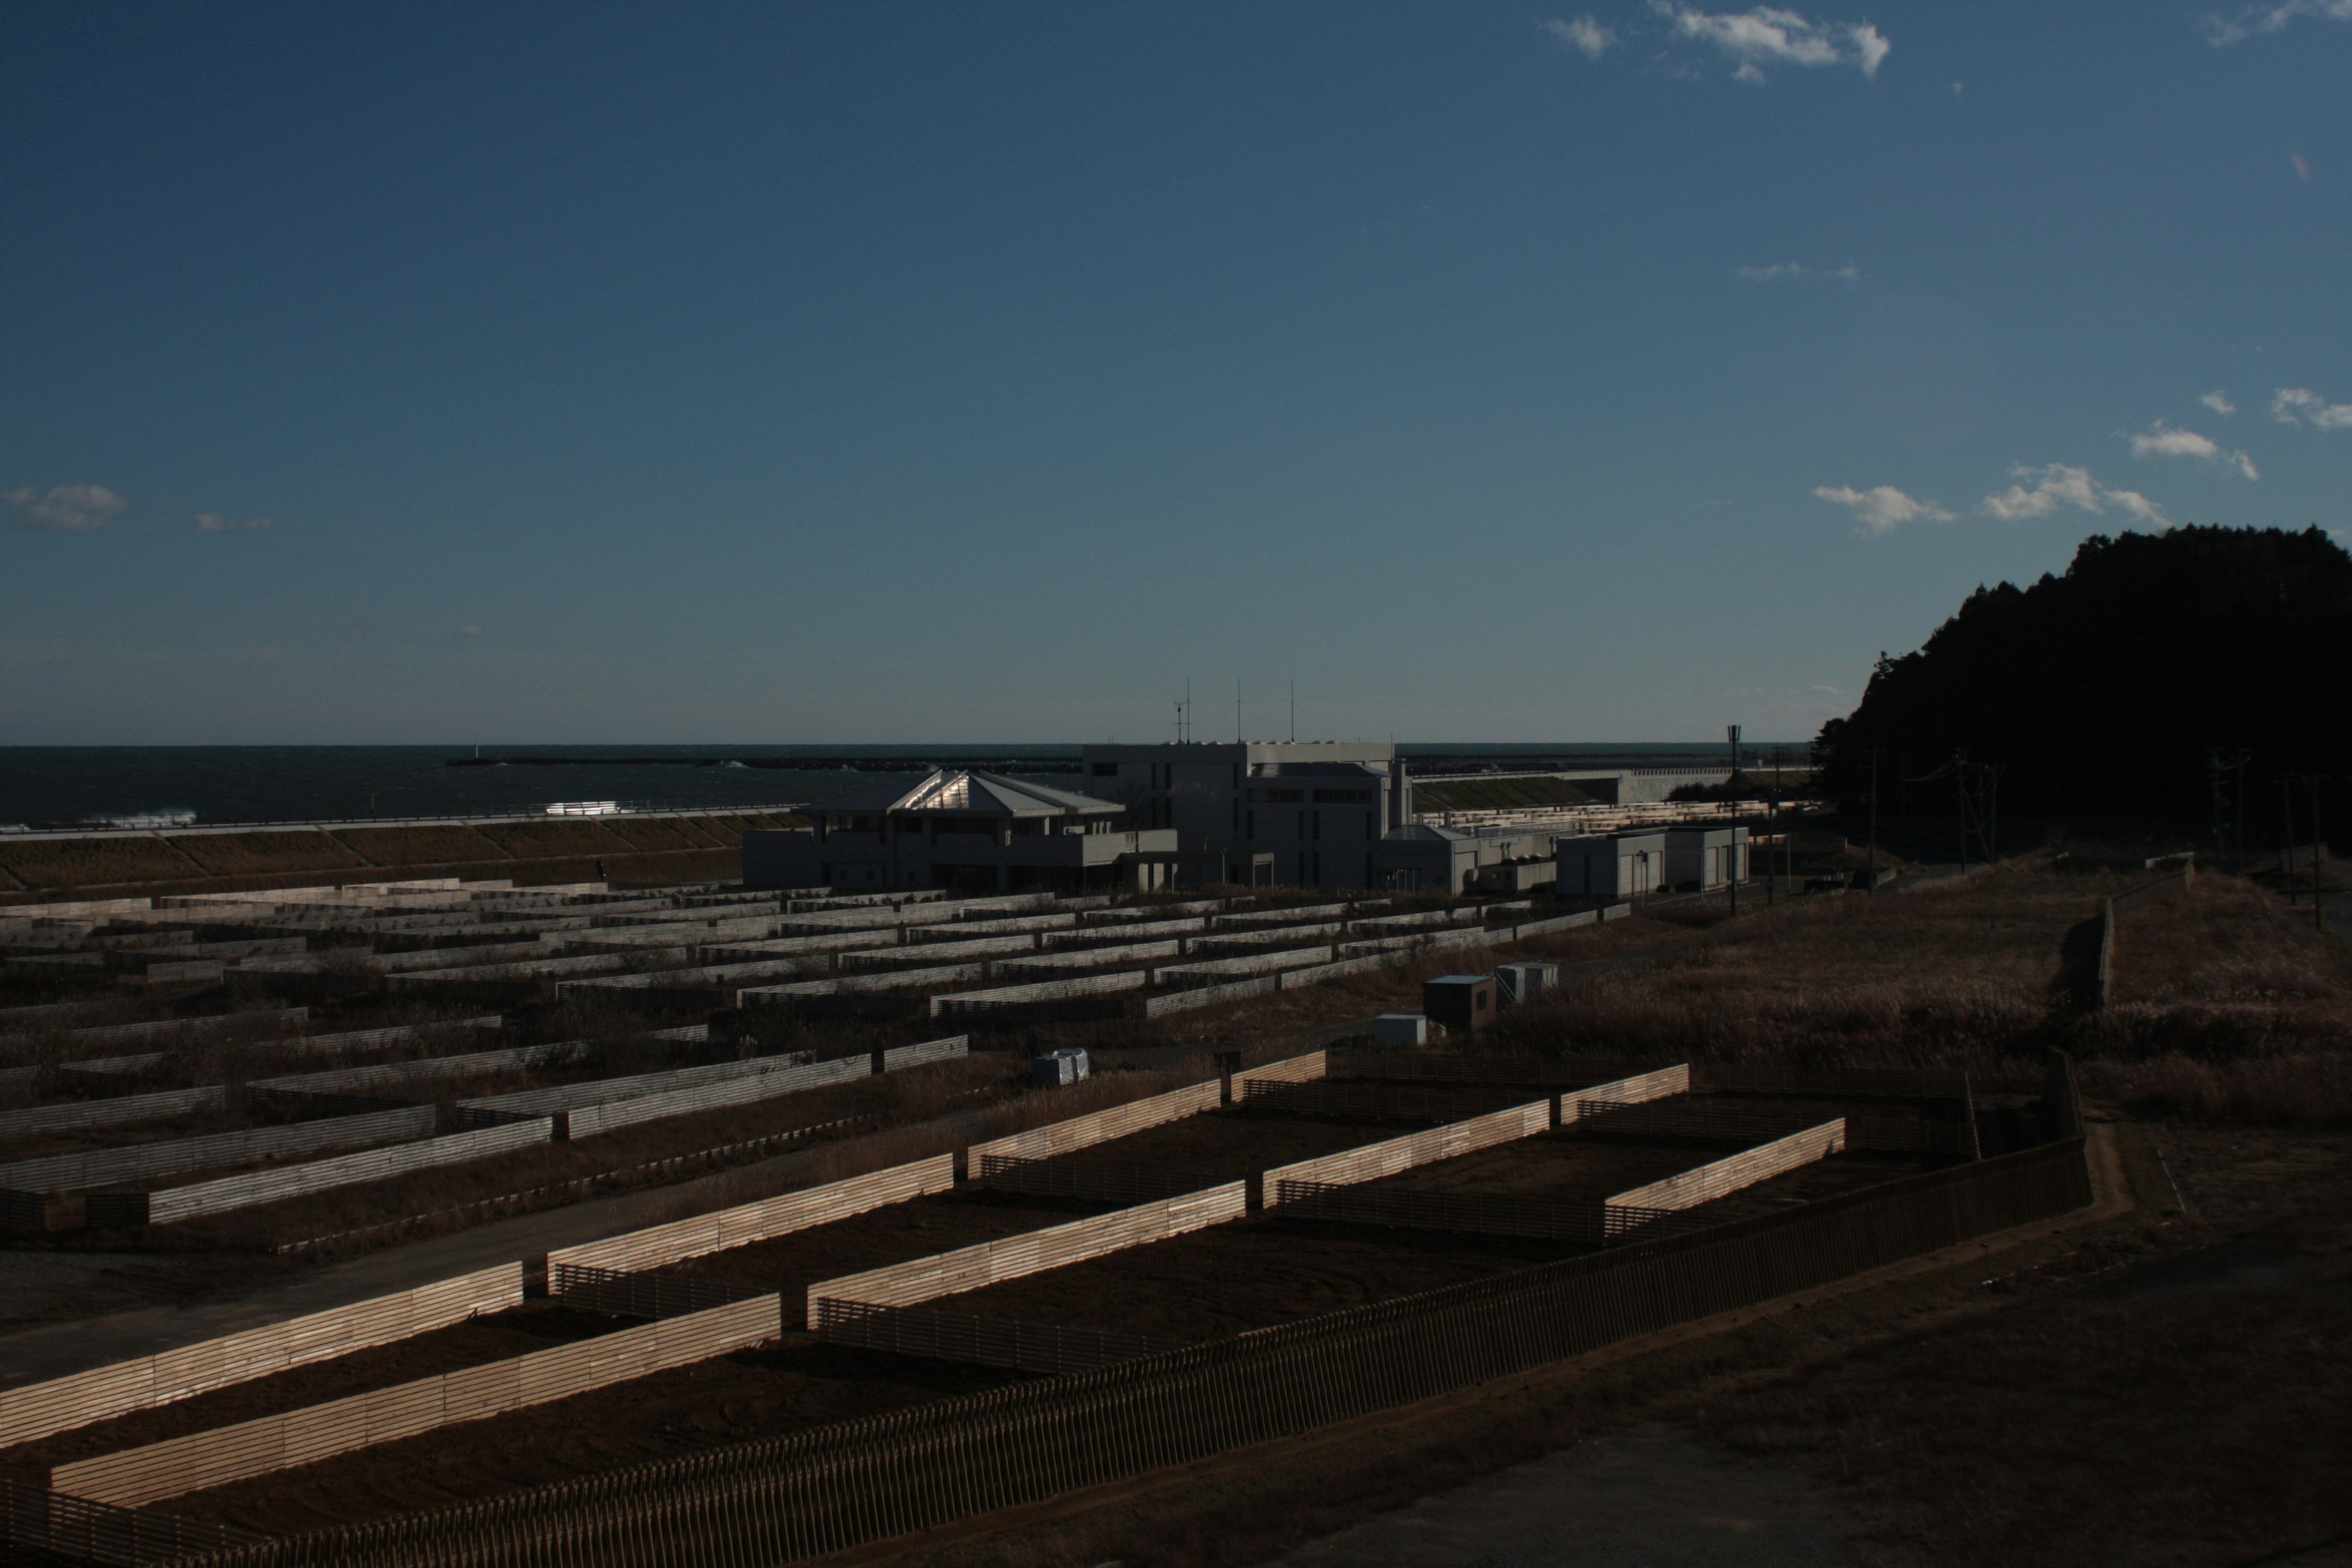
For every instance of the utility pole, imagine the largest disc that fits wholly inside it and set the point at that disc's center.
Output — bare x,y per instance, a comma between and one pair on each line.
1872,888
1961,783
1992,833
2318,908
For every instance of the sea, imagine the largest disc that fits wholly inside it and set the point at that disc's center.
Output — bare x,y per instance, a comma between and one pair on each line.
66,787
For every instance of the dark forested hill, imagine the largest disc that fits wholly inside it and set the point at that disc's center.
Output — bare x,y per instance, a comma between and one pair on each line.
2104,693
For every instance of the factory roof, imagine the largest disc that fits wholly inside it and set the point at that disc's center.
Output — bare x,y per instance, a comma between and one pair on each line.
968,792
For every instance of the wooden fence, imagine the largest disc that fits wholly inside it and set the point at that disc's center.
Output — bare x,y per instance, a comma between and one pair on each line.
427,1070
747,1223
105,1112
76,1529
140,1162
1374,1161
204,1459
1290,1069
1719,1178
785,1498
922,1279
36,1410
1641,1088
226,1192
1101,1126
1209,996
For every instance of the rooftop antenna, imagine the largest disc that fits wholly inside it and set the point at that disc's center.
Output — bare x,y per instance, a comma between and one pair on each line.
1293,712
1237,709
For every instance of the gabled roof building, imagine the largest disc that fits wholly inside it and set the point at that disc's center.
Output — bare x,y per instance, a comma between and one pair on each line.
965,829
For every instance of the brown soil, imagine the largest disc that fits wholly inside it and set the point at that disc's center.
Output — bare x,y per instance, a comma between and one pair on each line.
1558,1167
899,1234
1231,1144
87,862
764,1393
417,846
239,854
496,1337
720,830
1250,1274
554,837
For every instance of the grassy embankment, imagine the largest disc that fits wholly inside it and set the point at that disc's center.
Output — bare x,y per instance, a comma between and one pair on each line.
689,847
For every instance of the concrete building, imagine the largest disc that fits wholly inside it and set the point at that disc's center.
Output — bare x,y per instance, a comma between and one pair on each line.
970,831
1293,814
1705,857
1422,859
1613,864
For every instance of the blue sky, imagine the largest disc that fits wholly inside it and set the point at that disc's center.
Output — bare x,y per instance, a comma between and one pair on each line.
905,372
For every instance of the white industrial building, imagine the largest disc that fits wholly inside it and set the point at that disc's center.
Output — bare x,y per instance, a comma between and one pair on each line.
1706,858
1612,865
1295,813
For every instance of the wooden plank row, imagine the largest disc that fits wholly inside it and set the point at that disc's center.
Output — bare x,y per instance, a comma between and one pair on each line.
37,1410
761,1221
204,1459
1101,1126
1374,1161
974,1267
228,1192
1639,1090
1719,1177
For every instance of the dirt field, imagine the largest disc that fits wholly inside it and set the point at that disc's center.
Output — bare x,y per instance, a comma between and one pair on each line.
86,862
500,1335
1250,1274
1231,1143
763,1393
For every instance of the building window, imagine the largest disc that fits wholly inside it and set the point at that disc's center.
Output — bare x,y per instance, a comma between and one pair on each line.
1343,798
1250,829
1106,770
1278,797
1370,831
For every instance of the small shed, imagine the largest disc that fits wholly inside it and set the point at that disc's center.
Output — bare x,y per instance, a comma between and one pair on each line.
1465,1002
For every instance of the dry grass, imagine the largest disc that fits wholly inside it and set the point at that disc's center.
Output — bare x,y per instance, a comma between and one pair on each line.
255,854
412,845
645,834
95,862
537,841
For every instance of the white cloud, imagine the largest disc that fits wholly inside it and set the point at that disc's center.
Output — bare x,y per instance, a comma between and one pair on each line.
2270,17
1793,272
2218,401
2162,440
1881,508
213,523
1769,36
2300,405
1584,34
64,509
2061,485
